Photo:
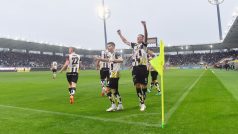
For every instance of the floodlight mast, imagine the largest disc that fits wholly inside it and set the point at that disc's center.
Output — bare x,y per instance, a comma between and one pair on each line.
104,13
217,3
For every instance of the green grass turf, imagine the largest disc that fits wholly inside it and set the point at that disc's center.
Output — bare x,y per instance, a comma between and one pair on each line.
34,103
229,79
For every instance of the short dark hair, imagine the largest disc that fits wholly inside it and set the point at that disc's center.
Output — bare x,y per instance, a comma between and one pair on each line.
111,43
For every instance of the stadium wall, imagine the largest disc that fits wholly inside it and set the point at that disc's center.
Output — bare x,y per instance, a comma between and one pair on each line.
22,69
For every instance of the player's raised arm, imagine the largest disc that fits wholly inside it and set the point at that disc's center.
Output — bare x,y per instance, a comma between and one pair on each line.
145,31
123,38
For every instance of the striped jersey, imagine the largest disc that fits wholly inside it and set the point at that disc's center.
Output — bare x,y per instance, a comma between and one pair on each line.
54,65
114,68
104,55
139,54
74,61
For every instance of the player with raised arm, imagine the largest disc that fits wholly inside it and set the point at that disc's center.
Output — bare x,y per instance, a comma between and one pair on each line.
104,71
153,74
72,65
139,63
114,60
54,69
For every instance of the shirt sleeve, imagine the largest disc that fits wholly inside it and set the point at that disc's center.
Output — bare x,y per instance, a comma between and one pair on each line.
132,45
145,44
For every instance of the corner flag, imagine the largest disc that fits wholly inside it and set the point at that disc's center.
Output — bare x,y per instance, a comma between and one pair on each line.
158,64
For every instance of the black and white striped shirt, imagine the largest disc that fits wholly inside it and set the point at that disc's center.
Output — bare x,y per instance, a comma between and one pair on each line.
74,61
139,54
104,55
114,68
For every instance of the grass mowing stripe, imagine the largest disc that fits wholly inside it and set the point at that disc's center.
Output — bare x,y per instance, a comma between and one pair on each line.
176,105
208,109
38,91
83,116
228,78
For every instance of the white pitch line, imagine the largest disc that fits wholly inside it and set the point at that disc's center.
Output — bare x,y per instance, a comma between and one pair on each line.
213,72
83,116
176,105
135,115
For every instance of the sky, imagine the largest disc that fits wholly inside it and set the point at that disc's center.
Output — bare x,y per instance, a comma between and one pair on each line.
76,22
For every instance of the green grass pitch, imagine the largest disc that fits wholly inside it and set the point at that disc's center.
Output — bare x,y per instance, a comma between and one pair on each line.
196,102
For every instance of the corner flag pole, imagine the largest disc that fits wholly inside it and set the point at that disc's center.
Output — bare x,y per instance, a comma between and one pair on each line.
158,64
161,70
162,98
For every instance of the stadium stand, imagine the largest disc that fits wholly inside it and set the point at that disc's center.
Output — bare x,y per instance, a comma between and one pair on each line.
23,59
17,59
18,53
196,59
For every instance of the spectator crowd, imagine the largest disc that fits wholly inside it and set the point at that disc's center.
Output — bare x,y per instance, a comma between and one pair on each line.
17,59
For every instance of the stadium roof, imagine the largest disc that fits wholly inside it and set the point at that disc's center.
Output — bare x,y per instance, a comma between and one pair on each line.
33,46
194,47
230,41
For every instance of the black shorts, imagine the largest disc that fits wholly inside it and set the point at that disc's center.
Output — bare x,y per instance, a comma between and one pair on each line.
140,74
72,77
154,75
113,83
54,70
104,73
